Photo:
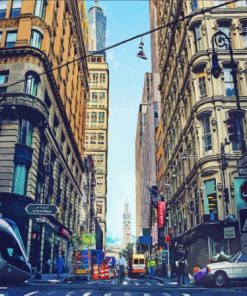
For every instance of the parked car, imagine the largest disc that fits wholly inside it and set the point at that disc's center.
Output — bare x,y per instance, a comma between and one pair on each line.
232,269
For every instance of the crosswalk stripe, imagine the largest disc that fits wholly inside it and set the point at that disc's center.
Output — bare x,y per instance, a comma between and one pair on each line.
31,293
137,284
127,294
87,294
107,294
185,294
146,294
166,294
148,284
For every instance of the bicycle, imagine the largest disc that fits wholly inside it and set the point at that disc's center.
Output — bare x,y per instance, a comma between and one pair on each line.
120,276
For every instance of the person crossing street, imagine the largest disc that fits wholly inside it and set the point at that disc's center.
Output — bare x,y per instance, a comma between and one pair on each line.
151,266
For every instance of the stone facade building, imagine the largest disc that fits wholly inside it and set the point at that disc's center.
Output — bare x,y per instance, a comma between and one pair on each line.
200,176
42,120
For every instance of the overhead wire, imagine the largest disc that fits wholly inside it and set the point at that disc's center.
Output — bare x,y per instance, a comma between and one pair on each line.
197,12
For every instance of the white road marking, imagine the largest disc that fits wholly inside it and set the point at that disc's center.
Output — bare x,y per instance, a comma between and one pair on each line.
160,284
146,294
50,293
31,293
185,294
127,294
137,284
107,294
87,294
148,284
69,293
125,283
166,294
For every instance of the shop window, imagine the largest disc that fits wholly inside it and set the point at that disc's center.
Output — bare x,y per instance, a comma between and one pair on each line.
194,4
3,79
11,39
25,133
228,82
16,8
3,8
36,39
207,136
210,200
197,37
32,83
40,6
20,179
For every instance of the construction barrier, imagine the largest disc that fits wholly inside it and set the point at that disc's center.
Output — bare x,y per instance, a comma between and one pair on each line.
107,272
95,272
102,272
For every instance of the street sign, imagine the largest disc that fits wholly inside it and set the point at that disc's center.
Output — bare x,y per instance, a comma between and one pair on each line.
39,219
41,209
243,220
229,232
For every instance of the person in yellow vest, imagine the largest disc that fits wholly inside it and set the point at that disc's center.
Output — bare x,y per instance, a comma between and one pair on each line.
151,266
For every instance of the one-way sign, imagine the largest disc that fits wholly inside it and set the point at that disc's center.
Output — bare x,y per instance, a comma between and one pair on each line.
41,209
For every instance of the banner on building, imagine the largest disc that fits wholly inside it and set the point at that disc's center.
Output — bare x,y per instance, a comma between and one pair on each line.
240,187
88,241
161,213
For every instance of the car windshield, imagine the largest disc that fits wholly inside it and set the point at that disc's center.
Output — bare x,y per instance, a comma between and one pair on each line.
234,257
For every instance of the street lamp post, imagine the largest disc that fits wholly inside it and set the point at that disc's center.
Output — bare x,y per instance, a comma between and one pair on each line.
221,40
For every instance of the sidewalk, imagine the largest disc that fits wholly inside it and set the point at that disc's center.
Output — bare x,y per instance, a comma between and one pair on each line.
51,279
173,282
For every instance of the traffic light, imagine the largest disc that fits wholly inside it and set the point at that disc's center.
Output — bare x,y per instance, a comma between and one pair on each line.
232,129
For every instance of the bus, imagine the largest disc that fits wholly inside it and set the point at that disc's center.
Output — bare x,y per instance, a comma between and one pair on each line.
14,266
137,265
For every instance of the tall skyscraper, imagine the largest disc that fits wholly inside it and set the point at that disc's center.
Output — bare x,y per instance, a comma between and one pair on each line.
96,28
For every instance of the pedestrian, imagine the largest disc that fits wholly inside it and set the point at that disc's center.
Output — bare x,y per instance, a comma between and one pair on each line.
180,258
60,265
121,263
151,266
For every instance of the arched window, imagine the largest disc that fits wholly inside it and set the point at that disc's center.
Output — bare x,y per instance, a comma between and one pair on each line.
32,83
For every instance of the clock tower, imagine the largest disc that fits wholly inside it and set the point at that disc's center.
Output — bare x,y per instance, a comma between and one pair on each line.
126,226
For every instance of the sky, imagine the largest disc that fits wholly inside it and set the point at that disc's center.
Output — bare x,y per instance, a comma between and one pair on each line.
125,19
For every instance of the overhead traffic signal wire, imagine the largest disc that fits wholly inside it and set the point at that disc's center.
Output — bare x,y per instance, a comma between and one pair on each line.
201,11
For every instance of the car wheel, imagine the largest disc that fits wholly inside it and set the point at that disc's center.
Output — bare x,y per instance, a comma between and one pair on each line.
220,279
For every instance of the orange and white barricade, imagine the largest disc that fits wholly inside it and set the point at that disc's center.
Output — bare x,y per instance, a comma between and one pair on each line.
107,272
95,272
102,272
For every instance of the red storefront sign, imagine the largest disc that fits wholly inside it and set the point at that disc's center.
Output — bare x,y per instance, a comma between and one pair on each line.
161,213
64,233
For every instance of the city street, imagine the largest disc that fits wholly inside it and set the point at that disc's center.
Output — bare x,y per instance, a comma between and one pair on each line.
135,287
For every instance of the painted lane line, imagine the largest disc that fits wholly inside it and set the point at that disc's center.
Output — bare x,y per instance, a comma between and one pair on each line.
166,294
31,293
148,284
185,294
87,294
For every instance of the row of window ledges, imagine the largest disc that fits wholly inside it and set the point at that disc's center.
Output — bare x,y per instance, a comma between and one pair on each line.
15,11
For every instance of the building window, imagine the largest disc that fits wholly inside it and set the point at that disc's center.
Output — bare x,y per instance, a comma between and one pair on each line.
207,137
32,84
11,39
25,133
218,2
3,79
197,37
224,27
101,117
101,139
202,84
94,117
194,4
228,82
36,39
93,139
16,8
241,3
3,7
102,78
237,122
244,33
210,200
20,179
39,9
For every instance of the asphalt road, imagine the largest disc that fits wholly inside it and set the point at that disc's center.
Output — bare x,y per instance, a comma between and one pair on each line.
130,287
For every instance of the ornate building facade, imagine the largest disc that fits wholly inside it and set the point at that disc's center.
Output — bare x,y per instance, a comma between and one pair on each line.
97,132
42,120
197,166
